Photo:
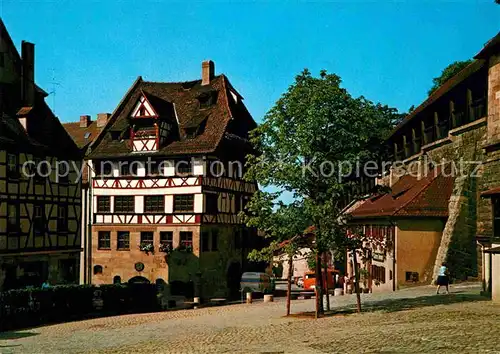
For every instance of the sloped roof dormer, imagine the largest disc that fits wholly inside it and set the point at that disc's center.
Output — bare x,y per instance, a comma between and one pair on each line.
190,117
143,108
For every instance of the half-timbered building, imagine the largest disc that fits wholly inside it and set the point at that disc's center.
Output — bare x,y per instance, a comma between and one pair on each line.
167,187
39,185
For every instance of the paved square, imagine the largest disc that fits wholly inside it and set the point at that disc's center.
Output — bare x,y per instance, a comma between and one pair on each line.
407,321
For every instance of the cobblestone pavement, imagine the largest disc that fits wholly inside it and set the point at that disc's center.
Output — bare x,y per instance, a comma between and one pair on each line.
408,321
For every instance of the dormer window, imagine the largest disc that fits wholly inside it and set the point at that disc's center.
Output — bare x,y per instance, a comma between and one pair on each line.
207,99
195,127
114,134
145,139
191,133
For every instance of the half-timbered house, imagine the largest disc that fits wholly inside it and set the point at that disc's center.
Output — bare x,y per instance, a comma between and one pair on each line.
39,185
167,187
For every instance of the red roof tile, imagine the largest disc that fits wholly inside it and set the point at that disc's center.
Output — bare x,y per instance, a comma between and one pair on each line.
412,197
82,136
491,192
216,120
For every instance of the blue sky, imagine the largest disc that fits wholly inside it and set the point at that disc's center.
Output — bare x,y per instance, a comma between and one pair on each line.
386,51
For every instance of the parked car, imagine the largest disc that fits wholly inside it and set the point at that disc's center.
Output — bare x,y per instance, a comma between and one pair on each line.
257,283
310,279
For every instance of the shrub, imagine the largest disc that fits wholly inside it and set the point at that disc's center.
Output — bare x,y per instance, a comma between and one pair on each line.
35,306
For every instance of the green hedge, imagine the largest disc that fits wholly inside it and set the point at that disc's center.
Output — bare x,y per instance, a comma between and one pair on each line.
32,307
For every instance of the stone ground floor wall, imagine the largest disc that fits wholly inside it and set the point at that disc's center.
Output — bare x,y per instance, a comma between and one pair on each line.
133,263
32,270
221,269
212,270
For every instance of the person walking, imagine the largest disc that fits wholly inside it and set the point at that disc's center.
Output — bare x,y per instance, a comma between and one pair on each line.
346,283
443,278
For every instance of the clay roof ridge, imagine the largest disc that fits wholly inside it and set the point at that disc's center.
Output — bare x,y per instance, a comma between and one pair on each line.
178,82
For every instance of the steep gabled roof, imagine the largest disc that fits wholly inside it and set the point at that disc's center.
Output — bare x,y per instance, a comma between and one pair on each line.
410,197
82,136
5,34
183,97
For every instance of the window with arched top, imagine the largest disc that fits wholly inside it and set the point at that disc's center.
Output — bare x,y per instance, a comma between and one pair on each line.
97,269
117,279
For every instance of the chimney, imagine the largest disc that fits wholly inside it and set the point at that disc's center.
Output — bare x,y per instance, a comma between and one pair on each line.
84,121
207,72
28,73
102,119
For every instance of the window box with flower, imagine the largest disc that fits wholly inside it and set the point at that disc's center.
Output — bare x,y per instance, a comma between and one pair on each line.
146,247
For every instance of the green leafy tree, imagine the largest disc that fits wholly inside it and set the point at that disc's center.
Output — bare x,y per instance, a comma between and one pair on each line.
284,224
447,73
308,142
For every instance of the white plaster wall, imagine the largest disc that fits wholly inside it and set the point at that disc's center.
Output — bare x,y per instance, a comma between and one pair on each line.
495,277
139,204
169,168
169,204
199,167
198,203
141,169
300,265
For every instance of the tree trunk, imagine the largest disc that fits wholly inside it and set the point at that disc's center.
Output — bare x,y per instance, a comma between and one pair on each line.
326,283
356,277
289,285
318,287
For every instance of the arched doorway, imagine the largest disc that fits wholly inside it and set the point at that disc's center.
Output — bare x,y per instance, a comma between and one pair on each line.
117,279
233,280
138,280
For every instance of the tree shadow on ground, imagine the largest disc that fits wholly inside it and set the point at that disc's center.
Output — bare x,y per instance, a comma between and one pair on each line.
15,335
402,304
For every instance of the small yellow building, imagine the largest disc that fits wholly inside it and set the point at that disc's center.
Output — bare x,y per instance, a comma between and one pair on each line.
403,229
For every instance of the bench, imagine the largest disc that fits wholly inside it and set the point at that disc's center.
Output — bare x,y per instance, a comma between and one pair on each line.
218,301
